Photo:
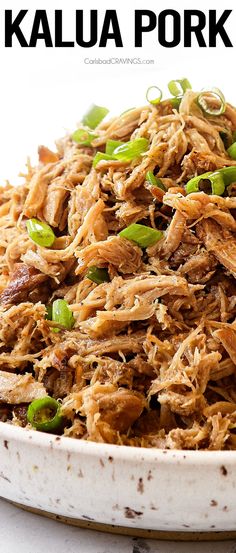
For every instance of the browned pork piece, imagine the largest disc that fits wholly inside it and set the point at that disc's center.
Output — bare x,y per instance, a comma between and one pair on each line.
120,409
23,280
131,331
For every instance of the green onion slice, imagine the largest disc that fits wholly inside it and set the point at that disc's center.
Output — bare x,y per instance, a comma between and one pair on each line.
142,235
98,275
124,151
193,184
132,149
229,174
111,145
100,156
62,314
212,102
232,151
41,233
179,86
94,116
210,183
216,182
83,137
153,95
48,312
154,181
44,414
175,102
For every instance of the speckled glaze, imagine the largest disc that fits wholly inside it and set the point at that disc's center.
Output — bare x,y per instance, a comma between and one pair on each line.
117,485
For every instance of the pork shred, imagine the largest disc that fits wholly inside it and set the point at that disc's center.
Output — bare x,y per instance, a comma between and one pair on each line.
151,358
15,388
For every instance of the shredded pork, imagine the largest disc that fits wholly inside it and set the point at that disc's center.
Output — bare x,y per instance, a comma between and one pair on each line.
151,358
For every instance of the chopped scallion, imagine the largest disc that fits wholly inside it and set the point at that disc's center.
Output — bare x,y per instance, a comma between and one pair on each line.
44,414
153,95
100,156
111,145
229,174
83,137
179,86
232,151
124,151
210,183
94,116
132,149
175,102
212,102
193,184
98,275
155,181
62,314
49,312
217,183
41,233
142,235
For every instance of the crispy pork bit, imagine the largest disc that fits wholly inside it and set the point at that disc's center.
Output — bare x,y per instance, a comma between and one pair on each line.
23,280
150,359
46,155
120,409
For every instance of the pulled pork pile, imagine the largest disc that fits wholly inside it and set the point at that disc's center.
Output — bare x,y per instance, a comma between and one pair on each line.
151,358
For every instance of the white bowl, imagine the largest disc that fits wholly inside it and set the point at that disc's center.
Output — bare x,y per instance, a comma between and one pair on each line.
151,489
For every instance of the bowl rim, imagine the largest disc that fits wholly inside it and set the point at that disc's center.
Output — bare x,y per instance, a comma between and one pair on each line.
35,438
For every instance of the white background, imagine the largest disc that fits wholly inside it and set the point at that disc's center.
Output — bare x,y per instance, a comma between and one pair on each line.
43,92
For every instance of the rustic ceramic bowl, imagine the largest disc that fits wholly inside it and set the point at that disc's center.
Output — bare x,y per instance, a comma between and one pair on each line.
177,491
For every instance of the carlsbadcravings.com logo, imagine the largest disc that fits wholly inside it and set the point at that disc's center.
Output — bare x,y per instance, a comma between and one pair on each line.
89,28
